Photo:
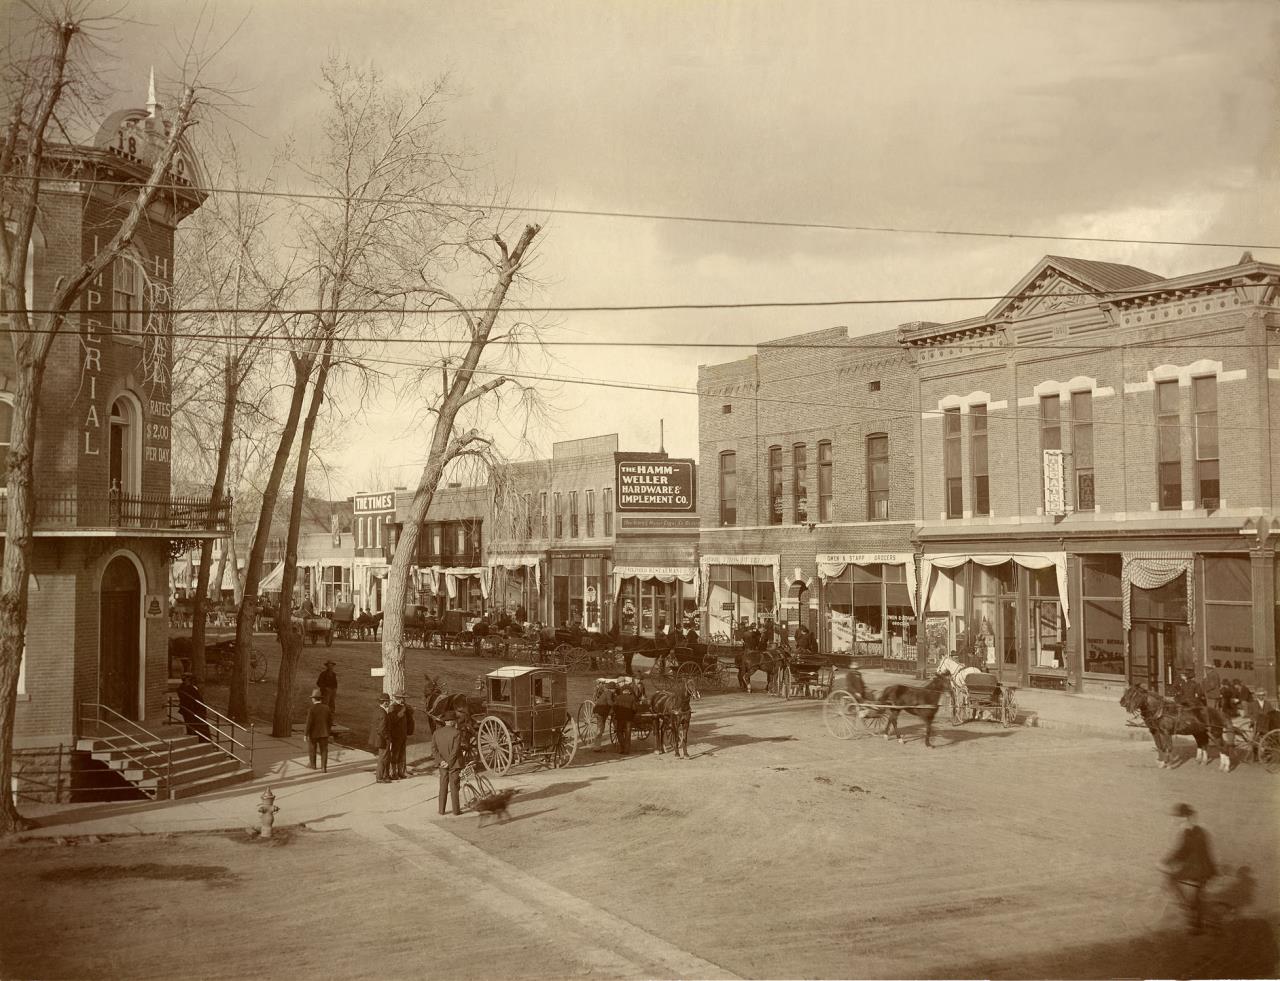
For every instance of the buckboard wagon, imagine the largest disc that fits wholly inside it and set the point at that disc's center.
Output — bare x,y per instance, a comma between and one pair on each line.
976,692
526,719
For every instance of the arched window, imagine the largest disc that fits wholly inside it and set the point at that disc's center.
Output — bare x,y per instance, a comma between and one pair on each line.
125,462
728,488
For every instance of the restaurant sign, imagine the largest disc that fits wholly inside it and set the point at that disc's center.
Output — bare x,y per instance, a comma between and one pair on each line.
655,485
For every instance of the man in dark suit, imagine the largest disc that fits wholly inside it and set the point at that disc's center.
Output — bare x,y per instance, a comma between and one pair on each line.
397,736
1189,866
319,721
380,737
446,743
624,710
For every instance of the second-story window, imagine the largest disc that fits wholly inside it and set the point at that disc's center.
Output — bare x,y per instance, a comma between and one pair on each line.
878,477
607,504
528,516
377,530
542,512
775,485
126,295
978,459
728,488
573,514
555,498
462,538
1050,428
591,513
800,482
1082,448
1168,445
825,489
436,541
953,488
1204,408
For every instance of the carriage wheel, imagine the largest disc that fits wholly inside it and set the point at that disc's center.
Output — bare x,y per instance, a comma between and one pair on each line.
1008,709
840,714
1269,751
588,722
579,658
257,665
687,670
642,728
495,745
874,720
957,709
561,654
565,744
785,681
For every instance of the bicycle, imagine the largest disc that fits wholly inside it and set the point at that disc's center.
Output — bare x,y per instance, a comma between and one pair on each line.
474,786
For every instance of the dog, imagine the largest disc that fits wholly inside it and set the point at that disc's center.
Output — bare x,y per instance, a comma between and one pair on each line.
495,805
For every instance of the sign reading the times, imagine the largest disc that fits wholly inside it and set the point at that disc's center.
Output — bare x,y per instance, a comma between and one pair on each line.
655,485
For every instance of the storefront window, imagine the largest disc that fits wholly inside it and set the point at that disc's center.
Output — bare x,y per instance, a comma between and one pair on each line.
867,612
1167,602
1103,626
1228,615
575,591
738,593
335,586
993,633
1046,631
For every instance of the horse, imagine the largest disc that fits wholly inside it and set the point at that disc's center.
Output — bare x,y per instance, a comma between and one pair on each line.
751,660
672,711
439,700
922,702
1165,719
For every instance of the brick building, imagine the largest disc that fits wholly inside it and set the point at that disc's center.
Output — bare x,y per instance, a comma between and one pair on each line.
1082,525
808,492
1042,487
450,571
97,628
562,548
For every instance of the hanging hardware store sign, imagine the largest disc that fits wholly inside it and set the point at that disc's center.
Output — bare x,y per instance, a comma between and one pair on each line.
655,485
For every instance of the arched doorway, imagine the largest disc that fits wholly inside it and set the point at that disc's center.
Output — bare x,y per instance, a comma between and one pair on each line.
119,637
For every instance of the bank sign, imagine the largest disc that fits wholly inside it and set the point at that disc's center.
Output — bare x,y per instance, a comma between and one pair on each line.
655,485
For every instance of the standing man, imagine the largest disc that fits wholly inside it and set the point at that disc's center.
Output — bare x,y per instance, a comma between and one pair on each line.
380,737
328,685
624,710
447,746
319,721
1189,866
191,707
397,736
602,707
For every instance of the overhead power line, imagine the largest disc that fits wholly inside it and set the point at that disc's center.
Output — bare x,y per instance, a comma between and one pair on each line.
664,216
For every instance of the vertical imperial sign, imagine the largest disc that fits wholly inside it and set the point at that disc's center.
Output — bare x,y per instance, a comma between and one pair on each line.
655,485
1055,491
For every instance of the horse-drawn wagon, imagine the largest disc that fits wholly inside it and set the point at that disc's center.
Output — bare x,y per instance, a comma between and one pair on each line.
851,708
974,693
525,719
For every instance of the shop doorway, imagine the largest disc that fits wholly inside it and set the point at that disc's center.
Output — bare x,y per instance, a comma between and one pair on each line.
1157,652
119,637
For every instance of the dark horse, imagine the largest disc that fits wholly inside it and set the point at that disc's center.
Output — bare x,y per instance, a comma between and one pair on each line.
439,700
672,711
1165,719
922,702
750,661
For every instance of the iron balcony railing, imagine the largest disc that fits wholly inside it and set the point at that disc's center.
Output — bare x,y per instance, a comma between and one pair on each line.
112,509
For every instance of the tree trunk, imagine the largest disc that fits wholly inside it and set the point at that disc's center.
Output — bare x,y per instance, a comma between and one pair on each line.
238,697
19,544
291,644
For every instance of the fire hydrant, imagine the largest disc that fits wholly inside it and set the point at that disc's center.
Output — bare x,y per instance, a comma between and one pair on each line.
268,811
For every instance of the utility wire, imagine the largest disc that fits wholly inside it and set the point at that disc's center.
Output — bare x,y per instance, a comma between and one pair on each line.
656,216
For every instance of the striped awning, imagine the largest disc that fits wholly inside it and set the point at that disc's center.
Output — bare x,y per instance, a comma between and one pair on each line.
1151,570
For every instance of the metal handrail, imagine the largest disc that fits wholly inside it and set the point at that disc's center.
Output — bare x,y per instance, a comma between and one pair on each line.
143,764
172,703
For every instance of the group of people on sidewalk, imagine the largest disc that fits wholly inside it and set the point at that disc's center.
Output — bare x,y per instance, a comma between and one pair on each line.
393,724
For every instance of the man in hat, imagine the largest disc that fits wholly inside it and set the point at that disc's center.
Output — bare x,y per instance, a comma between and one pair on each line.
624,710
1189,866
319,721
446,743
397,736
191,707
380,737
603,706
328,685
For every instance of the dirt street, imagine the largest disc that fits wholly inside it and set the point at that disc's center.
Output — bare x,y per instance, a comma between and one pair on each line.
778,851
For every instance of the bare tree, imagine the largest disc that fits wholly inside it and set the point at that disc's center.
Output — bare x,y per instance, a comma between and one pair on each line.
45,87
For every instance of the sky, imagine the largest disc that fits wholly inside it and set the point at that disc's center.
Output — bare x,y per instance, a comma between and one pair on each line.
1136,120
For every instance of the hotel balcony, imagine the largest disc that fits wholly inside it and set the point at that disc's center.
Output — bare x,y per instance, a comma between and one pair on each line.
115,514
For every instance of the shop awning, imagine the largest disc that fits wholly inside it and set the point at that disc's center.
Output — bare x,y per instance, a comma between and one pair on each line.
1028,560
663,573
772,561
1151,570
451,575
520,560
832,564
273,580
